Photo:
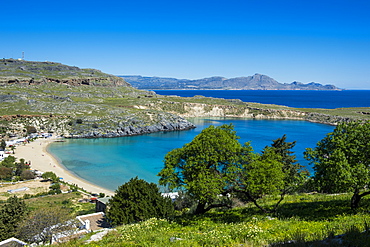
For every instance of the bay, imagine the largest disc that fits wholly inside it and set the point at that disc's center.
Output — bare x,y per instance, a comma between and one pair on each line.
291,98
110,162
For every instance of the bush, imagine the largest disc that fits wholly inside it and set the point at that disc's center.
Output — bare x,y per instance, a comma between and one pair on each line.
138,200
31,129
27,174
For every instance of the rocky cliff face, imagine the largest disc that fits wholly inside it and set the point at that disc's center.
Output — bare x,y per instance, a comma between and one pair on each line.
190,110
115,126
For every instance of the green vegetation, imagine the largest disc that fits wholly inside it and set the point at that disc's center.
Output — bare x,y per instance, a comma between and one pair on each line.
138,200
11,214
302,218
342,161
10,170
50,176
215,166
231,196
17,216
68,201
42,224
20,70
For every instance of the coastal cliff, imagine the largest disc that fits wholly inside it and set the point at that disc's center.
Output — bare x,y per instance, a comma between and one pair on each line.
246,110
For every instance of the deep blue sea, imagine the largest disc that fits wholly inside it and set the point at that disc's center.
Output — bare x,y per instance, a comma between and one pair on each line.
110,162
294,98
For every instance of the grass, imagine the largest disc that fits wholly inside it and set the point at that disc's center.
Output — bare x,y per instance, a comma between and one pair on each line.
67,200
302,220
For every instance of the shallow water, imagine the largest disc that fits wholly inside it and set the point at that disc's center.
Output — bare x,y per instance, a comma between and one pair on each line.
110,162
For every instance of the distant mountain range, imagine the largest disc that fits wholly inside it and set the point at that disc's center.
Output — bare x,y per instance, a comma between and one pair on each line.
255,82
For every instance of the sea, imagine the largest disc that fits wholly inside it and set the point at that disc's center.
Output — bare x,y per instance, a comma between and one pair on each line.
110,162
291,98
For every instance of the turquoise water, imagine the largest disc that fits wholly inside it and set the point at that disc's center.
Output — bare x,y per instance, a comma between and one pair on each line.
110,162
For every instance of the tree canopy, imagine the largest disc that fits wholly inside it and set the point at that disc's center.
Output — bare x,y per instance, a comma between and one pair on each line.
11,214
138,200
342,160
50,175
215,164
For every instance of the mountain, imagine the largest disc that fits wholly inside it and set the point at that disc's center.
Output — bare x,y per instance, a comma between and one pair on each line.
255,82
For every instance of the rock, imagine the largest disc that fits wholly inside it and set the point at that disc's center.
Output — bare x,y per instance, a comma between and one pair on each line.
173,239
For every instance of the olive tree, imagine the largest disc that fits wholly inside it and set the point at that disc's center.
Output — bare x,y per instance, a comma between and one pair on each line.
215,164
342,161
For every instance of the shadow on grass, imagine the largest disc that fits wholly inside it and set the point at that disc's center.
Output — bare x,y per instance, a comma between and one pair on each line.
322,207
351,238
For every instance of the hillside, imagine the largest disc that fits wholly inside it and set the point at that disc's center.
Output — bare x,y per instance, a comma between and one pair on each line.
29,72
255,82
73,102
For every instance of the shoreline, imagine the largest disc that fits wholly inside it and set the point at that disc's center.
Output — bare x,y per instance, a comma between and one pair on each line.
43,161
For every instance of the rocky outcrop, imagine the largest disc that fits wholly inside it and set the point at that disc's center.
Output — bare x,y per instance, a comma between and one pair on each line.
130,127
17,125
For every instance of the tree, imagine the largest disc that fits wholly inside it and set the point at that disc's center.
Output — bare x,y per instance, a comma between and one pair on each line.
138,200
20,167
50,175
205,166
11,214
295,175
43,223
5,172
27,174
8,161
215,165
55,189
342,161
2,144
262,175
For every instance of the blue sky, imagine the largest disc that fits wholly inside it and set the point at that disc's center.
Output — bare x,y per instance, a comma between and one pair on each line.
322,41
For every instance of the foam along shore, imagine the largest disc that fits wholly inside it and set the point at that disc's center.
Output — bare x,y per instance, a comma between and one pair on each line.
43,161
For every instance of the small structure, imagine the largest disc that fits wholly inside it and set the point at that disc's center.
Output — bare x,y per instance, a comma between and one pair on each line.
93,222
12,242
3,155
101,204
172,195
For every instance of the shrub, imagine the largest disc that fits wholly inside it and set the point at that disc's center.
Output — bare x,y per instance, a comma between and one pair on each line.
138,200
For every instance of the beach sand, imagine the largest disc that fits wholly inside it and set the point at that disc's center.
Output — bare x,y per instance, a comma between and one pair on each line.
43,161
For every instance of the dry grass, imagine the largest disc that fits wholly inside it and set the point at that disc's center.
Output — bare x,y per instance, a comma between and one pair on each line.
35,187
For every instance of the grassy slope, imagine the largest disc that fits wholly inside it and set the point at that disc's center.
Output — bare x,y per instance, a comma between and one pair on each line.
303,218
24,70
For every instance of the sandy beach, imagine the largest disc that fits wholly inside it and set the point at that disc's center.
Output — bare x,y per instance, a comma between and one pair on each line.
43,161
